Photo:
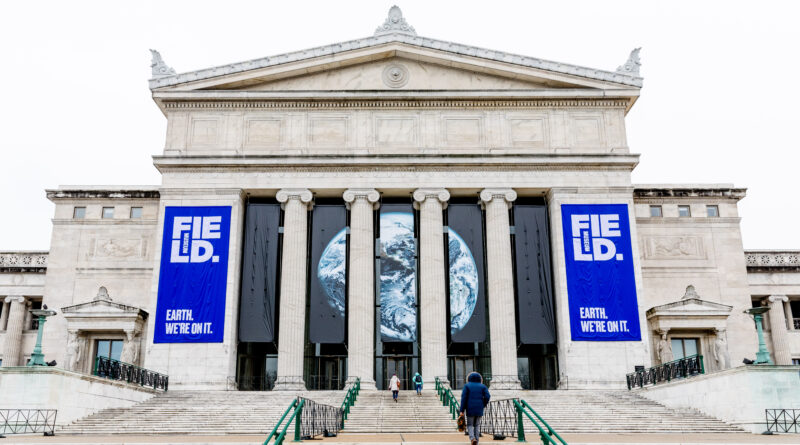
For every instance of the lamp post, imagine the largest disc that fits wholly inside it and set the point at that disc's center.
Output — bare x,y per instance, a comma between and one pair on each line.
762,356
37,358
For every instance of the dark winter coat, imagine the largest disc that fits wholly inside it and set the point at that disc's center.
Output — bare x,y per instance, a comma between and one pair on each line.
474,395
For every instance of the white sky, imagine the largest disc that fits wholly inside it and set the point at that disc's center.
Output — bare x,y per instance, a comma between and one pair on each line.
718,103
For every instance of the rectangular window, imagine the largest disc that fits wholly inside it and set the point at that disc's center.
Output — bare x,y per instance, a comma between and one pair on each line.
35,304
655,211
109,349
79,212
684,212
795,361
136,212
685,347
712,211
108,212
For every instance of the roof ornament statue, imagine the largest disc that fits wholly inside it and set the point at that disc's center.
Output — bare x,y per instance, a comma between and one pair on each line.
395,23
102,294
690,293
633,64
160,69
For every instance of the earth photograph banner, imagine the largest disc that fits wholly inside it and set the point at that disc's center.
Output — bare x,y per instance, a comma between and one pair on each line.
465,259
398,273
259,272
193,275
601,284
328,285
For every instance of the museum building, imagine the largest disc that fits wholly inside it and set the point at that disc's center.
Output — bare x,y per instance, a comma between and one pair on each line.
397,204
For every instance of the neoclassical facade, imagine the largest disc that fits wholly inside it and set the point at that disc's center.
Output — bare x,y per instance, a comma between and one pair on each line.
397,204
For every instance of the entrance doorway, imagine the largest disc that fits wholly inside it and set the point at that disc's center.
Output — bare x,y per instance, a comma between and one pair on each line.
400,366
537,366
460,368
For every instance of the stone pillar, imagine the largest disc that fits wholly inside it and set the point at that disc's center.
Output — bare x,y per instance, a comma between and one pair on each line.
4,315
500,286
433,295
361,286
780,335
291,334
13,342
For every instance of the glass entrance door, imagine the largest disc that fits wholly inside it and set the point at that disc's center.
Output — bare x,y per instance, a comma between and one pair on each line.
460,369
399,366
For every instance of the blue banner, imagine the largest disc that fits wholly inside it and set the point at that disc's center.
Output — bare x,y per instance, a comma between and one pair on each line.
194,274
600,277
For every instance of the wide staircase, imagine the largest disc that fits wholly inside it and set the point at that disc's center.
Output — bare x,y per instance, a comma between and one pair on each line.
611,411
198,413
376,412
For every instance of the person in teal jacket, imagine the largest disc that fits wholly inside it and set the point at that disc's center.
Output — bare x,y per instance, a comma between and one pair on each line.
418,383
474,398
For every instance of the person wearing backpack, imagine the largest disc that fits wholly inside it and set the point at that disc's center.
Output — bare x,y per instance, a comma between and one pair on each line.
474,398
418,383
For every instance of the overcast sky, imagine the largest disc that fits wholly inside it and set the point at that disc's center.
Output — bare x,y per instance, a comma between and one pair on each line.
718,103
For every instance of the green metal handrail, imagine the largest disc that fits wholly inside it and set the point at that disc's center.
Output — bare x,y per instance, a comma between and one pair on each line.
548,437
296,408
447,398
350,399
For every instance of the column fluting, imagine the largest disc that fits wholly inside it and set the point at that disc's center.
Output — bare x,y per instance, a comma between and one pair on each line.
780,335
433,295
500,286
13,342
4,315
291,334
361,286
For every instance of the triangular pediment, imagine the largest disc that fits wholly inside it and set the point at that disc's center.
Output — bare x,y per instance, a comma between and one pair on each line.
104,307
398,63
688,307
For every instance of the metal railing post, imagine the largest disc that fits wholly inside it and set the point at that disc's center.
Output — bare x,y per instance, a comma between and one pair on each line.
298,422
520,427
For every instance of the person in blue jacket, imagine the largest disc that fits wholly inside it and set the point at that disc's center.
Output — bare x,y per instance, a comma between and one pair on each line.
474,398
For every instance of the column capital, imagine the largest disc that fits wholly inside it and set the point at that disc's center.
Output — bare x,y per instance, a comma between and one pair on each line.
302,195
508,195
777,298
371,195
15,299
422,194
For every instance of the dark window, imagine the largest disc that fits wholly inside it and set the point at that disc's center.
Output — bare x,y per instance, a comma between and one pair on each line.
685,347
712,211
655,211
684,211
109,349
35,304
79,212
136,212
795,361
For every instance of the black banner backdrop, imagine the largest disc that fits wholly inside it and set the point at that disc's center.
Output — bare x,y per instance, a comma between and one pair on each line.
534,286
259,273
467,287
398,273
328,274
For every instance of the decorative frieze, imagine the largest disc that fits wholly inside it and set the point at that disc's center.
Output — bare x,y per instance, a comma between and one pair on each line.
392,104
770,259
23,261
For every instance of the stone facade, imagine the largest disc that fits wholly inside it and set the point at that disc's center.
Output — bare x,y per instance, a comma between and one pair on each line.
398,116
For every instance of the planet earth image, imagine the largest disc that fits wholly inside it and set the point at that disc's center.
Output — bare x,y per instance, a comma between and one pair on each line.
331,271
463,282
398,273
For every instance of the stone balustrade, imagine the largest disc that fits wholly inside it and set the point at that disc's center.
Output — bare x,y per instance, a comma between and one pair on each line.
23,261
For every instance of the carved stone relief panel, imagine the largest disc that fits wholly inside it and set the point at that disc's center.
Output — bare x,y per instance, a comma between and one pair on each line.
117,249
327,131
396,130
462,131
205,131
675,247
262,132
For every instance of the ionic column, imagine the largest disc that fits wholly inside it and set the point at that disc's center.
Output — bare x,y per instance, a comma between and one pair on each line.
780,335
500,285
16,320
433,295
4,315
291,334
361,286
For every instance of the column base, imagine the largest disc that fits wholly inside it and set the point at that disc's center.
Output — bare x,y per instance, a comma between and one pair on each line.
505,382
431,383
294,383
366,384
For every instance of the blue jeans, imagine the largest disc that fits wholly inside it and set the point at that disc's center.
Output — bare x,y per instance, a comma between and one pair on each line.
418,387
474,427
394,394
